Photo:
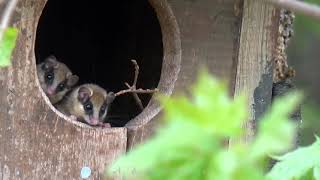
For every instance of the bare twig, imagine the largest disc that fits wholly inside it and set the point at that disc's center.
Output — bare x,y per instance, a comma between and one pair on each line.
133,88
134,85
307,9
6,16
136,97
136,72
139,91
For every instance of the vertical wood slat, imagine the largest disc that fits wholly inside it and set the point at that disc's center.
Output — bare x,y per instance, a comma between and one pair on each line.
254,69
35,142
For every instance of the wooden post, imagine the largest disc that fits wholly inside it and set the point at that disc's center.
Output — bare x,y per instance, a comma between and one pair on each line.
259,31
35,142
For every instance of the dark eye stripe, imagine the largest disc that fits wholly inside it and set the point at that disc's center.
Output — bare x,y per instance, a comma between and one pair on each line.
61,86
88,107
49,77
102,110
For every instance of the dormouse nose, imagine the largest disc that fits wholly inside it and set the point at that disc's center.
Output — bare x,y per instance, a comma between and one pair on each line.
50,90
94,121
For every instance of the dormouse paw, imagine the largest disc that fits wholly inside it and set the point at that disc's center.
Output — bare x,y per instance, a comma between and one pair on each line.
105,125
73,118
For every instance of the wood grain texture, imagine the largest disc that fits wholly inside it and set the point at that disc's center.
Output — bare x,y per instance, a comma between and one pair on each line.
37,143
197,33
209,38
254,68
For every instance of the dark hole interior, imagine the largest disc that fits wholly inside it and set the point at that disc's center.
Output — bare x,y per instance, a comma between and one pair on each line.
98,40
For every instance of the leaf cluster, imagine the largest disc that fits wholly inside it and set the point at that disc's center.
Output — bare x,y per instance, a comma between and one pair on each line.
7,44
192,144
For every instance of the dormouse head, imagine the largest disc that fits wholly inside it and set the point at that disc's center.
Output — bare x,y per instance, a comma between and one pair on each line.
55,78
94,103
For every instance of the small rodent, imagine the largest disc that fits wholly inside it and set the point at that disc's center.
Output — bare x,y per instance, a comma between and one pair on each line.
55,78
88,103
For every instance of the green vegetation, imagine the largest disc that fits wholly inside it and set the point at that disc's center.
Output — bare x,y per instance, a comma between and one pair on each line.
304,163
192,143
303,55
310,125
7,44
304,25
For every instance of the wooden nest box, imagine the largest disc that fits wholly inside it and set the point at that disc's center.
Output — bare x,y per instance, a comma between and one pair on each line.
170,39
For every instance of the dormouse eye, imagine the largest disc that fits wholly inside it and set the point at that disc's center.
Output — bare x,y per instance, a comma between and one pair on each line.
61,86
49,76
102,110
88,107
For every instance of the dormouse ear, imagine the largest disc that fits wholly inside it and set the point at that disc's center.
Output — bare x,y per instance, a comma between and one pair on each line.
72,80
51,62
110,97
84,94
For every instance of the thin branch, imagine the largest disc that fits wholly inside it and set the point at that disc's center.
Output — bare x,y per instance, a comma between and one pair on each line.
134,85
136,97
136,72
304,8
133,88
6,16
139,91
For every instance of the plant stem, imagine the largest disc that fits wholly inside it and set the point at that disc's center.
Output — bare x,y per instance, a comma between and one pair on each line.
6,16
304,8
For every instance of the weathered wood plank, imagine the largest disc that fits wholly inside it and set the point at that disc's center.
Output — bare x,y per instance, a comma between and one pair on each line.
199,33
209,38
254,68
36,143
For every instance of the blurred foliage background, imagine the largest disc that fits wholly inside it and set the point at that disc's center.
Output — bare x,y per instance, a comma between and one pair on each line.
304,55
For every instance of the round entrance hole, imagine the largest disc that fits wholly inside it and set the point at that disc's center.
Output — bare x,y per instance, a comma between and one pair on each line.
98,40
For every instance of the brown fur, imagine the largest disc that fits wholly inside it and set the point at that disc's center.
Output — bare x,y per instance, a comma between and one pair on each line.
61,73
71,105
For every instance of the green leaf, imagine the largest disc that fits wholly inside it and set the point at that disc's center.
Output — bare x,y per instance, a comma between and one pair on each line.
213,101
192,143
7,45
276,131
316,172
234,164
210,108
298,164
172,154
